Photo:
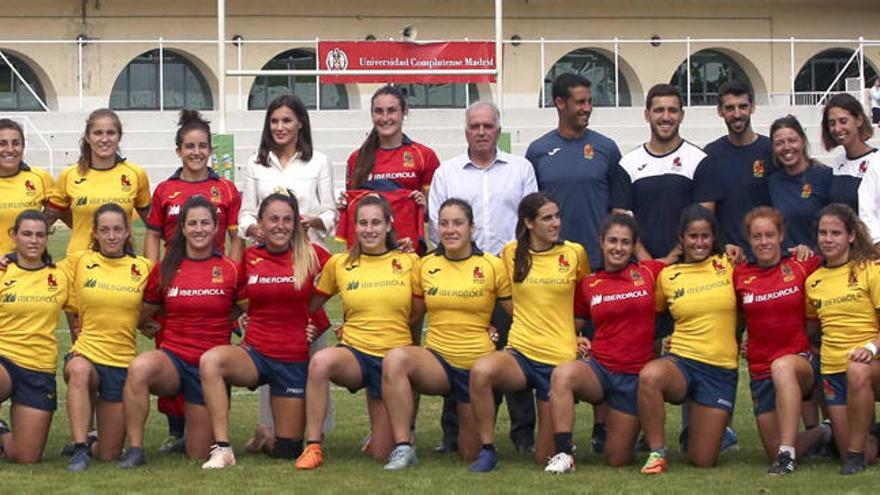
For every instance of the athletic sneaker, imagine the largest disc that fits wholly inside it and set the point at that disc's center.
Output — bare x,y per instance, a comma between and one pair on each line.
311,458
656,464
560,463
221,457
132,458
173,445
855,463
69,448
729,442
79,461
486,461
402,457
784,465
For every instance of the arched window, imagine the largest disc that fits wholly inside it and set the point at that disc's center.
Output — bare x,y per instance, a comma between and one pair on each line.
821,69
137,87
14,96
452,95
267,88
596,67
709,70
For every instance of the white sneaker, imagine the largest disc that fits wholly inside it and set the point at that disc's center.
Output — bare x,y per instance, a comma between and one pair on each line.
402,457
560,463
221,457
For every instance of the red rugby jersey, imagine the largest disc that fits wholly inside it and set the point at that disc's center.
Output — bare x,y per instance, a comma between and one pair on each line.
407,216
198,305
172,193
411,165
277,312
773,301
621,305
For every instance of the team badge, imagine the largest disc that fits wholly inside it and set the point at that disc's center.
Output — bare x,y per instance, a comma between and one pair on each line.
125,182
135,272
588,152
396,267
29,188
749,280
51,281
216,274
408,160
719,267
215,194
676,164
853,280
863,167
564,265
636,277
758,168
479,278
787,274
807,191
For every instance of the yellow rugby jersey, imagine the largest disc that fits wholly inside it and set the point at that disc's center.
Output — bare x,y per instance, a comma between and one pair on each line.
376,294
30,304
460,296
124,184
543,303
702,301
26,190
107,295
846,304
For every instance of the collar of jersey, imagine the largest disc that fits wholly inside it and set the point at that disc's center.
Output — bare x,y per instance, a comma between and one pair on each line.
212,175
872,150
645,146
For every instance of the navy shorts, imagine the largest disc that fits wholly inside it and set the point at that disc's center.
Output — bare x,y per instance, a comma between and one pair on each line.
620,389
834,388
190,380
708,385
371,373
31,388
537,374
111,379
285,379
459,380
764,393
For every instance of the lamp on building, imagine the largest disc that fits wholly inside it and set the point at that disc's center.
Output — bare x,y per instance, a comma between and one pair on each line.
82,38
655,40
371,37
237,40
515,39
409,33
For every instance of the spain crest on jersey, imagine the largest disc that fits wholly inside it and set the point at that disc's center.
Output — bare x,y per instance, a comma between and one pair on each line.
564,265
863,167
636,277
215,194
588,152
409,160
396,267
676,164
479,277
135,272
216,274
758,168
125,182
719,267
806,191
787,273
29,188
51,281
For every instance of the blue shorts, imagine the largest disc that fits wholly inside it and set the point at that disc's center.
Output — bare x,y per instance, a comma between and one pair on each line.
834,388
459,379
707,385
285,379
31,388
190,380
619,389
764,393
111,379
371,373
537,374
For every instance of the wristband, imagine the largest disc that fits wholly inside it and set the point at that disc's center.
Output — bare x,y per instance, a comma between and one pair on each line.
870,347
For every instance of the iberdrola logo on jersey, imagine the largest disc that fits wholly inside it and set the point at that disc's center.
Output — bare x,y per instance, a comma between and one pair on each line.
432,291
479,277
135,272
396,267
29,188
125,182
564,265
758,168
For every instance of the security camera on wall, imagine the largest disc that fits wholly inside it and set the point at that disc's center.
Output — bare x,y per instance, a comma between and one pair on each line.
408,33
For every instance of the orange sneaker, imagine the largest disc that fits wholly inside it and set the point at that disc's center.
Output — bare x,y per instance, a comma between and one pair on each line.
656,464
311,458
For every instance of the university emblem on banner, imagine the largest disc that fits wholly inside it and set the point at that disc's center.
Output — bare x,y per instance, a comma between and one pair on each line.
336,60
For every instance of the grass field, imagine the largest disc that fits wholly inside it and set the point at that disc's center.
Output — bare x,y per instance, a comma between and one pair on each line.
348,471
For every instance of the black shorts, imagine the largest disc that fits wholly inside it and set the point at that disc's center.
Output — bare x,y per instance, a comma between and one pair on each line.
371,372
111,379
459,379
31,388
190,380
285,379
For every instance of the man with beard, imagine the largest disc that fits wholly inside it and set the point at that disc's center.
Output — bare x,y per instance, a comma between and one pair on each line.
741,162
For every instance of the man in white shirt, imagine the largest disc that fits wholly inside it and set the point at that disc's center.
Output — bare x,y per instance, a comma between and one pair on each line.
493,182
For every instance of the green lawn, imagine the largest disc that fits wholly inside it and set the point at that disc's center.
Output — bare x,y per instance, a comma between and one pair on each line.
348,471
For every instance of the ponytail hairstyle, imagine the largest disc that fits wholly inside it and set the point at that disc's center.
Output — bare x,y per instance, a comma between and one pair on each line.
527,210
367,153
791,122
699,213
861,249
847,102
15,126
390,238
191,120
304,258
85,148
303,137
176,251
128,248
440,250
38,217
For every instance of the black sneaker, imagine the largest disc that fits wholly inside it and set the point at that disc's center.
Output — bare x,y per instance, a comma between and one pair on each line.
79,461
132,458
598,438
855,463
784,465
69,448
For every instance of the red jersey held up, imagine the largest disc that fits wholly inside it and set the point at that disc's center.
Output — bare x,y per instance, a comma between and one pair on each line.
198,304
621,305
278,312
407,216
172,193
411,165
773,301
